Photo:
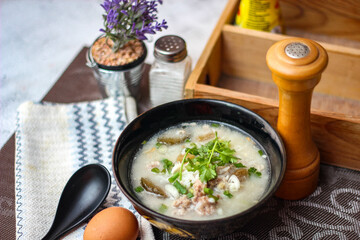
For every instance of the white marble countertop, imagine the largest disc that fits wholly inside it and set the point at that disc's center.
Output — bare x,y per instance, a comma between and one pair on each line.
39,39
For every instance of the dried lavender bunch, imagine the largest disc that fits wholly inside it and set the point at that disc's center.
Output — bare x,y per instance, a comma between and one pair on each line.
127,20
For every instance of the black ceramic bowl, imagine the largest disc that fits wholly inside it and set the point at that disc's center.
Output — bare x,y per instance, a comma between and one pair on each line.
164,116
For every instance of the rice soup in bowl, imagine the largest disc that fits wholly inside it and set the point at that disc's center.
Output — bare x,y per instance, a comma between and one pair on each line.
200,170
177,136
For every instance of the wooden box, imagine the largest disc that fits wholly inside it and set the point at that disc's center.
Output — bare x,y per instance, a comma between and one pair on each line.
233,68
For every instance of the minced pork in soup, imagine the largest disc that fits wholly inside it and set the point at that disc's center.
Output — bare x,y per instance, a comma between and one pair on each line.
200,170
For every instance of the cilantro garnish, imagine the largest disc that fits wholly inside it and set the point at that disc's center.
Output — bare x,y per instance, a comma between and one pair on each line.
207,172
228,194
163,208
215,125
212,150
209,192
180,187
182,163
155,170
139,189
254,171
158,144
209,156
144,142
261,152
173,177
239,165
167,164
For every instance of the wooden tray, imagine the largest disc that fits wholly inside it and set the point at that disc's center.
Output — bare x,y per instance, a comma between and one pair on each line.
233,68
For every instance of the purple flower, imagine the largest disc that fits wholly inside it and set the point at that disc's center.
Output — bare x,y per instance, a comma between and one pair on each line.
125,20
140,35
124,12
159,26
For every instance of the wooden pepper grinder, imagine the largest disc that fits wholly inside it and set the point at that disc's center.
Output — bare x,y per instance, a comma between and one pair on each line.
296,65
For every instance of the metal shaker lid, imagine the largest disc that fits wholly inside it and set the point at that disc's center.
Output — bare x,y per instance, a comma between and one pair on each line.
297,59
297,50
170,48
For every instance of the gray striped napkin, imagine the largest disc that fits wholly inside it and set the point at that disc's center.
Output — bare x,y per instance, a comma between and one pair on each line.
52,142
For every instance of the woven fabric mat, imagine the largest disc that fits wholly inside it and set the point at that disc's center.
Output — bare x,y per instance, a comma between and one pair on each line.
52,142
331,212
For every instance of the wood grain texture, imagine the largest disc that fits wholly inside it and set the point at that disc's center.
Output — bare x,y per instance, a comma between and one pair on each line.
321,102
337,136
335,21
296,78
244,52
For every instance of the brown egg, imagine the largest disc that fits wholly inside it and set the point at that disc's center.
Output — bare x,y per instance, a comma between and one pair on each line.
114,223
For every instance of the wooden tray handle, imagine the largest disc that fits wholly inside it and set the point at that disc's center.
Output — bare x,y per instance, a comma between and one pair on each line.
296,65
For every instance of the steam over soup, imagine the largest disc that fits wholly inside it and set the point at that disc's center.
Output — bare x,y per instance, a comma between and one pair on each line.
199,170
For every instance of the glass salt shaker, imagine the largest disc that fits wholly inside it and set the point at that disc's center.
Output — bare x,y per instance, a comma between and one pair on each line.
170,70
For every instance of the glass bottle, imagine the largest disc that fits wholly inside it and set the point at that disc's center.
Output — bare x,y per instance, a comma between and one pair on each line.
170,70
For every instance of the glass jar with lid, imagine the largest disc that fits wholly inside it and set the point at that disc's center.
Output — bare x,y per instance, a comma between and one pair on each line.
170,70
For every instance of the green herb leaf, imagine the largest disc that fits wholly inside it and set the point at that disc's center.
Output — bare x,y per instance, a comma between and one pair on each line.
207,173
163,208
180,187
239,165
182,163
208,157
208,191
214,197
139,189
254,171
189,195
144,142
261,152
215,125
157,145
167,164
155,170
228,194
173,177
212,150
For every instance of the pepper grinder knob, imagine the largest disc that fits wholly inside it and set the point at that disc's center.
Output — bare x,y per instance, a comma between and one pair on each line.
296,65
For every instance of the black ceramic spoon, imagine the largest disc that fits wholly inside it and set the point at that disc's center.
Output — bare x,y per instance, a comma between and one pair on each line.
83,194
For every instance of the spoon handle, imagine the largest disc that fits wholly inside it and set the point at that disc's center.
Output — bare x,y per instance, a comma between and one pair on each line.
83,194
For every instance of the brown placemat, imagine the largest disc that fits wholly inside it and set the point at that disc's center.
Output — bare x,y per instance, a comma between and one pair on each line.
332,212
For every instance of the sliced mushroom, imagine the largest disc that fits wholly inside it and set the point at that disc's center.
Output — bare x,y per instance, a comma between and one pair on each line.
181,156
241,174
149,186
207,136
213,182
172,137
